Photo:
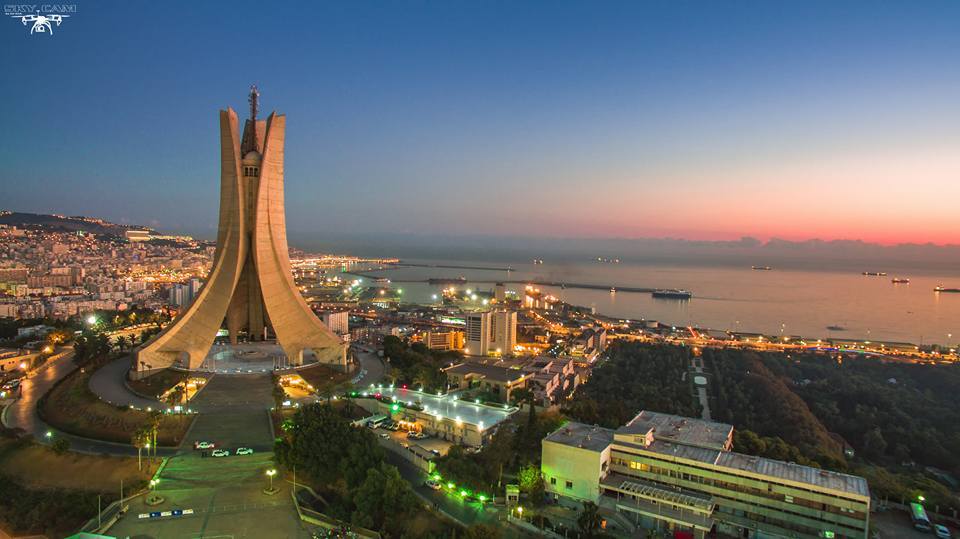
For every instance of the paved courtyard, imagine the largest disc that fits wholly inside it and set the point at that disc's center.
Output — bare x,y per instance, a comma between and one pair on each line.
224,494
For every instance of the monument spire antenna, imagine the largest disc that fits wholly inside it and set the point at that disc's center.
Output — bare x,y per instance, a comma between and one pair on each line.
254,100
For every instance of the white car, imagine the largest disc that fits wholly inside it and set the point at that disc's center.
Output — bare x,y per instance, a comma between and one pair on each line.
942,531
220,453
204,445
432,484
384,435
244,451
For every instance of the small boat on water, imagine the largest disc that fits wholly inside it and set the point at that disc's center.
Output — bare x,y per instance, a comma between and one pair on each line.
942,289
761,268
672,293
900,280
875,273
836,328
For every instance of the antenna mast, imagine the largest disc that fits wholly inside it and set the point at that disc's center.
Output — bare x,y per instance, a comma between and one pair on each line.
254,102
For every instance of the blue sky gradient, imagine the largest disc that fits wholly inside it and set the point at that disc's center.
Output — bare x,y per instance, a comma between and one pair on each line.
706,120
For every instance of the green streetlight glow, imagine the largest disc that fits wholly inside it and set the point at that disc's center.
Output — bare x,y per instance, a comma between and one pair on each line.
451,486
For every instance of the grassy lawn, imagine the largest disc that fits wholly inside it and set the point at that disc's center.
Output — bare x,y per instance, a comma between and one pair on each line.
71,407
55,494
38,467
155,385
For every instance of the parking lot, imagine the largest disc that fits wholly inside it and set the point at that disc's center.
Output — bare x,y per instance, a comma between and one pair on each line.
429,443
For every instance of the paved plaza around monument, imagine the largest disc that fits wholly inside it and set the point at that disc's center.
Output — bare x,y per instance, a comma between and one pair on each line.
225,494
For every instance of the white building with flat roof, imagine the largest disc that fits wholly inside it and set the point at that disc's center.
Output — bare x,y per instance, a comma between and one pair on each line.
671,472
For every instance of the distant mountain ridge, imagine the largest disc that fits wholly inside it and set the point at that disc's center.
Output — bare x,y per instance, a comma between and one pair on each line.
65,223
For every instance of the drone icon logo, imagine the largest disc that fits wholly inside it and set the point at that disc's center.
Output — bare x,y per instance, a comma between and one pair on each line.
43,22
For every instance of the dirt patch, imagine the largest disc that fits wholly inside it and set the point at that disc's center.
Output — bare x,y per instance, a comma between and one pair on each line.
323,378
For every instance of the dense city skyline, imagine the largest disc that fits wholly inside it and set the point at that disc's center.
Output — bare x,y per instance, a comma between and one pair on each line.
813,120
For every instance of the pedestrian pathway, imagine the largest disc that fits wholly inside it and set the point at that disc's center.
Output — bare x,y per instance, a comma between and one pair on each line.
108,384
700,381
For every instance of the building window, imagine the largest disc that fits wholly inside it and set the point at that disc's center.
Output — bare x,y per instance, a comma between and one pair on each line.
569,485
553,480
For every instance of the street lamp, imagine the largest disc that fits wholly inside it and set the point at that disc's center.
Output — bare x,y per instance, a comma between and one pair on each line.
153,483
92,320
49,434
270,473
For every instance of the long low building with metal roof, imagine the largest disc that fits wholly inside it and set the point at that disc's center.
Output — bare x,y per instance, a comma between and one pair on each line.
678,473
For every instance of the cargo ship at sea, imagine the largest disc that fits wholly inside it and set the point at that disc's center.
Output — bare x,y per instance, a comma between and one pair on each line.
942,289
672,293
761,268
875,273
900,280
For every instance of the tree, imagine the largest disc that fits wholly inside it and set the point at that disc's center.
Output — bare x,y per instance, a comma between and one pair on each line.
531,483
279,395
176,395
121,343
589,520
384,501
140,439
60,446
874,444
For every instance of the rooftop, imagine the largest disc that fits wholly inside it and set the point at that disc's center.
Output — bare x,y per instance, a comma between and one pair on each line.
583,436
680,430
448,406
488,372
795,472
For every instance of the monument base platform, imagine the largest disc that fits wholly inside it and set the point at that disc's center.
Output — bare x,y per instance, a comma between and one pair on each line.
250,358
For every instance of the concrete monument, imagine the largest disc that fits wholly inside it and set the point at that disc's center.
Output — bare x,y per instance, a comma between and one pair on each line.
250,287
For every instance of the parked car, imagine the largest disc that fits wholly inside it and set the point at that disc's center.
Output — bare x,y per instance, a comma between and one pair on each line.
204,445
384,435
432,484
244,451
220,453
942,531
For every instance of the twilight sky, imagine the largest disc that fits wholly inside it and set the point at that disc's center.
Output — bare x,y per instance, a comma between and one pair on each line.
701,120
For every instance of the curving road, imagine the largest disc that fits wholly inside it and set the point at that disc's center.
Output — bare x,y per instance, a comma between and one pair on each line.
23,413
370,363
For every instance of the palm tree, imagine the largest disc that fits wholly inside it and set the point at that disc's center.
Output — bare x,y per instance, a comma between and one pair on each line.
121,343
140,439
153,428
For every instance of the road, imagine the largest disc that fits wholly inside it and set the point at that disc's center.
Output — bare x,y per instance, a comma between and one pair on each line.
23,413
369,362
466,513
